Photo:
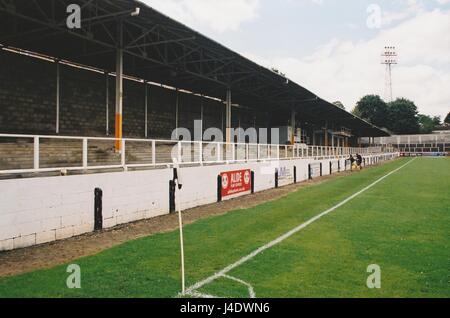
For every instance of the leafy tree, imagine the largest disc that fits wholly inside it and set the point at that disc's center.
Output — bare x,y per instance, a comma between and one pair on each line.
427,124
339,104
373,109
399,117
402,117
436,121
447,119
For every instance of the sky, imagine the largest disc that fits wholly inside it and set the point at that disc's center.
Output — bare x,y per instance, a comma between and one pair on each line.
333,47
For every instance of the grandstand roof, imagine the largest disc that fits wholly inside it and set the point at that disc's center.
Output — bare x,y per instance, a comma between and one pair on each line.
160,49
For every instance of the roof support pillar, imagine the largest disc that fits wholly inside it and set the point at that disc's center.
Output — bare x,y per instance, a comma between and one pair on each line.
146,110
107,102
293,120
325,133
177,119
228,116
58,98
119,89
201,116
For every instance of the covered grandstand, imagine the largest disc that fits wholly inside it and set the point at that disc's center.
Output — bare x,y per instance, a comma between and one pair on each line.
142,76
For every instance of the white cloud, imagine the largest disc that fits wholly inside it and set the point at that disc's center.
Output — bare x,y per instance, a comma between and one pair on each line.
218,15
413,7
346,70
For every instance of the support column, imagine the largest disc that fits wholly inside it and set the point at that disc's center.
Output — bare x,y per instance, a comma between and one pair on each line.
293,115
325,134
107,102
119,88
58,88
201,117
146,109
177,119
228,117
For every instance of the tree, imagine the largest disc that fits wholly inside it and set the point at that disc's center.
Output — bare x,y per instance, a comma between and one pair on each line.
436,121
339,104
427,124
373,109
402,117
447,119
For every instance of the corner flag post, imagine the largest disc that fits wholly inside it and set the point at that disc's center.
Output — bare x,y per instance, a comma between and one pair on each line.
179,182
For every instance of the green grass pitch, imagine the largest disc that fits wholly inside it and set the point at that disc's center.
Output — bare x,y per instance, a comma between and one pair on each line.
401,224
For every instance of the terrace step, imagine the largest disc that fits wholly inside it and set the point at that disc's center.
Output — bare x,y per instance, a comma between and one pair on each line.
69,153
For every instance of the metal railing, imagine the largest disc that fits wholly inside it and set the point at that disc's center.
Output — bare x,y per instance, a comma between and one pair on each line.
20,154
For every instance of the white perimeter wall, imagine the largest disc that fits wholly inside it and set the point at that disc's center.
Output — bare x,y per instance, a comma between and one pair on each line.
40,210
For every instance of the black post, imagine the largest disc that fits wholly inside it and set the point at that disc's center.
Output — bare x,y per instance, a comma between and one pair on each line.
320,169
309,172
331,167
295,174
98,209
276,178
219,188
253,181
339,165
172,196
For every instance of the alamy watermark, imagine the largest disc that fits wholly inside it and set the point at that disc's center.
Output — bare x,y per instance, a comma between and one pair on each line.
73,281
214,143
374,279
73,21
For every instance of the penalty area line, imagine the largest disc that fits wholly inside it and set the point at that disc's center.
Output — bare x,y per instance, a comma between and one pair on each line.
285,236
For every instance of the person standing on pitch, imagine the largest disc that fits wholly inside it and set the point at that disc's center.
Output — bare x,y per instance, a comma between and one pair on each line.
352,161
359,161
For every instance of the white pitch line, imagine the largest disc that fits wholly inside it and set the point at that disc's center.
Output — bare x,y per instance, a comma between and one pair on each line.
251,291
285,236
196,294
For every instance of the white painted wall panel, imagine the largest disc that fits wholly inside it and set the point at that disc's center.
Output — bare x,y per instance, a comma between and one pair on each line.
39,210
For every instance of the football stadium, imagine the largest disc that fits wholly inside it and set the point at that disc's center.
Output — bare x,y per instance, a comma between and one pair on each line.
142,159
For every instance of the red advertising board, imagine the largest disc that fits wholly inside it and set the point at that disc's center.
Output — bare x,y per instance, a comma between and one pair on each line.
234,182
